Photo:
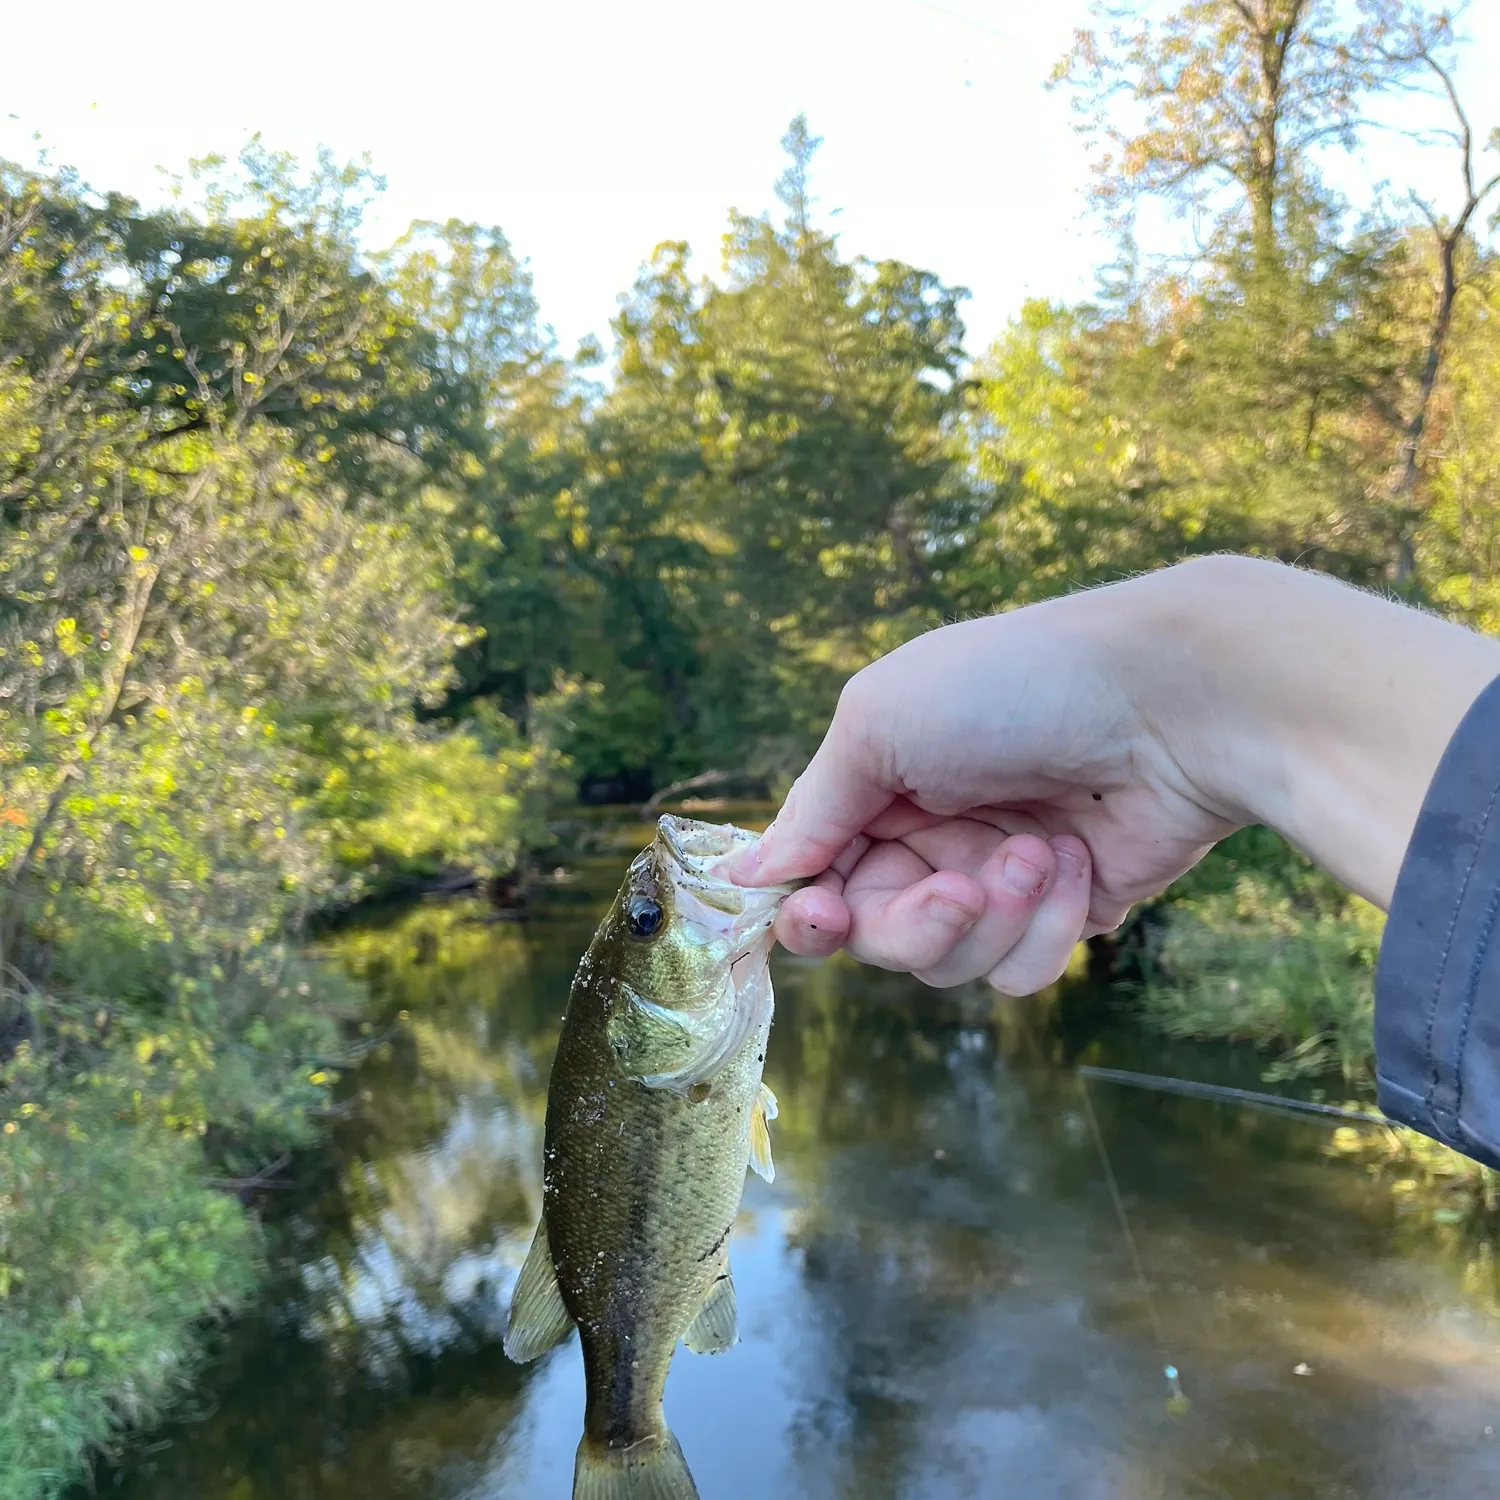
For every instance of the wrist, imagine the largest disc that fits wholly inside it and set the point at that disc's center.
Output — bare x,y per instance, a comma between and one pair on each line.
1290,699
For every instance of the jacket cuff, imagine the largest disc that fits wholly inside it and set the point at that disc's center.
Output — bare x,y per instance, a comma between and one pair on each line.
1437,986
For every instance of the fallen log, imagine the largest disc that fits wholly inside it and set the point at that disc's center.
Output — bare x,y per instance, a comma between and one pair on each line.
698,783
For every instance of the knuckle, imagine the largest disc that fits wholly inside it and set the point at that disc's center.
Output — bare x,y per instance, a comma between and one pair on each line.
863,731
857,703
1108,916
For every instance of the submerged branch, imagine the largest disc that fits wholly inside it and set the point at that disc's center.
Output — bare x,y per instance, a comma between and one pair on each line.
698,783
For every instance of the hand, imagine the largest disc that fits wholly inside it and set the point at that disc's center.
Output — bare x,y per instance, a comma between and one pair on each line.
996,790
985,796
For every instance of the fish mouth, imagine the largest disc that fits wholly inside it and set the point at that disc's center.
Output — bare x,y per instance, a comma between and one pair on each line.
731,926
690,853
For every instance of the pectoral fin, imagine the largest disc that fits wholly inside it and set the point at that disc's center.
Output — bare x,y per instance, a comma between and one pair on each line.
538,1319
717,1326
760,1134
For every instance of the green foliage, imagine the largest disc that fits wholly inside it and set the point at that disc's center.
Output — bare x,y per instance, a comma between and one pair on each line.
1259,946
1237,414
1302,382
1284,385
115,1245
762,501
322,569
230,458
476,795
1458,547
111,1247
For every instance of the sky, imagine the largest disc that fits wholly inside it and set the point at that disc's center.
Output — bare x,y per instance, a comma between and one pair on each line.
592,130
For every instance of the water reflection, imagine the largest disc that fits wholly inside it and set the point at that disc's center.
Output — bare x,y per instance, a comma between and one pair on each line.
935,1298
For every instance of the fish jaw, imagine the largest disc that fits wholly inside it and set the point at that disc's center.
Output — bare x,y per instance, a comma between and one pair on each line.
691,856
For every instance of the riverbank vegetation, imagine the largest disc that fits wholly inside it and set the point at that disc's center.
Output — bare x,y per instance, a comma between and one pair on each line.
1258,945
323,569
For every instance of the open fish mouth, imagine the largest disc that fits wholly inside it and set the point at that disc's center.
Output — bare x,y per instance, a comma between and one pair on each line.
731,926
696,847
690,854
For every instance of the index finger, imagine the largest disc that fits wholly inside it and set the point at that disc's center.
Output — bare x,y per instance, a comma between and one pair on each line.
828,805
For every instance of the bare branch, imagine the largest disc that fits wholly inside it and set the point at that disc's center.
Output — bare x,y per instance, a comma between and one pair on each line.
1426,210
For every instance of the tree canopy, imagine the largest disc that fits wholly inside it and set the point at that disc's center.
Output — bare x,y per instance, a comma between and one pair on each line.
323,571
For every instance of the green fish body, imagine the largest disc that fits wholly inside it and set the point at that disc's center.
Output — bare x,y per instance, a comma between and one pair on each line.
654,1110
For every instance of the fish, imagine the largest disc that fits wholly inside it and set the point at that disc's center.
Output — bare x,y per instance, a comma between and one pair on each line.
655,1109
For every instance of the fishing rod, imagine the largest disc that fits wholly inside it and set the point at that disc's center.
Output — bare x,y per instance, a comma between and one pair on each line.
1222,1092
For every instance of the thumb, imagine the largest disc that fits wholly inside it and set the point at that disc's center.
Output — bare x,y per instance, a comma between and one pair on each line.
829,803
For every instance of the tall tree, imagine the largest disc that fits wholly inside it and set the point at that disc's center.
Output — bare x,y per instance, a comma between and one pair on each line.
1268,391
1426,49
1220,106
217,554
766,495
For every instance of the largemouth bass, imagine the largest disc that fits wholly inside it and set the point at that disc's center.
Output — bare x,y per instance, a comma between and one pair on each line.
654,1111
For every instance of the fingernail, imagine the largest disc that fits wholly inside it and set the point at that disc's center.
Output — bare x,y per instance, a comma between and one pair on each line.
950,912
1020,877
1069,865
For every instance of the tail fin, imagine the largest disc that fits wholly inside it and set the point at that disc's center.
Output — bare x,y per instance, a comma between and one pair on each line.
653,1469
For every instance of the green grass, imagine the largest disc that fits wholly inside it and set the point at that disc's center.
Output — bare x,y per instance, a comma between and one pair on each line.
1256,945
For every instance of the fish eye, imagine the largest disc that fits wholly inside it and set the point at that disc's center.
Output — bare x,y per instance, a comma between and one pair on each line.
643,915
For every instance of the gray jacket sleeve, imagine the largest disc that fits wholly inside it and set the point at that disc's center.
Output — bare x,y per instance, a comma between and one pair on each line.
1437,988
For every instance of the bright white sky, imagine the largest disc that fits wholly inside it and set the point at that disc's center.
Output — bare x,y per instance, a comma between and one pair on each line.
591,130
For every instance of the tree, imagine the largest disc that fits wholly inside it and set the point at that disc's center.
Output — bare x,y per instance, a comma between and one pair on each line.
1270,391
1220,106
1457,546
226,453
765,497
1426,49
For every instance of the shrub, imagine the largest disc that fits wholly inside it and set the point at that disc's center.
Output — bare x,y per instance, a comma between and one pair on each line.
1257,945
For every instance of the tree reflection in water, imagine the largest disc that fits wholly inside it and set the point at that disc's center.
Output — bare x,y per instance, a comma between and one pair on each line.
935,1299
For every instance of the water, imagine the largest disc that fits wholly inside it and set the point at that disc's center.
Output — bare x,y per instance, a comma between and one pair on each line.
935,1297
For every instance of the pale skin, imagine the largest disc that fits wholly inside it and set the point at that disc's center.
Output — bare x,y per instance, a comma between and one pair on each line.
996,790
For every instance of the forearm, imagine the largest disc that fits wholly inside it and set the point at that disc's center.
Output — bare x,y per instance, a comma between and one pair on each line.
1295,701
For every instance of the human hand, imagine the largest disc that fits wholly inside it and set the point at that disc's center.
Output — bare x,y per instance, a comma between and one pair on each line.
986,795
995,790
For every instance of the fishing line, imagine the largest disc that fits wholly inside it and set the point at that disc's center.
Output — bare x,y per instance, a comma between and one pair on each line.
1176,1401
1275,1103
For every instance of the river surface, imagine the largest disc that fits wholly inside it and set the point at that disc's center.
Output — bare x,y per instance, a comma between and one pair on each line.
937,1299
